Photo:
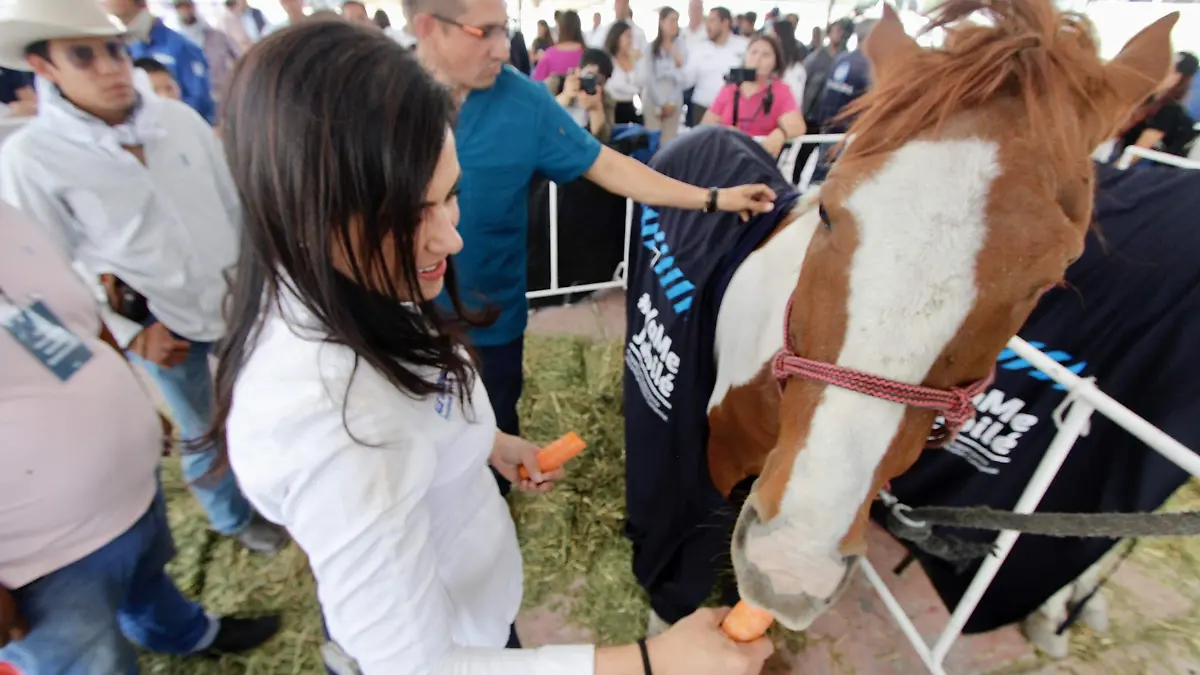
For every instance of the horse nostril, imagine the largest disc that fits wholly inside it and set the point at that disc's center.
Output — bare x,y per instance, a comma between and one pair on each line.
742,529
751,514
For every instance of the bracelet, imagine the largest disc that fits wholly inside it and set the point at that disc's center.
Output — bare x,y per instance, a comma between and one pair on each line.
645,656
711,206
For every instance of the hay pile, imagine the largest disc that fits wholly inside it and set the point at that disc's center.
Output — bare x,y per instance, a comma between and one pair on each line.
571,539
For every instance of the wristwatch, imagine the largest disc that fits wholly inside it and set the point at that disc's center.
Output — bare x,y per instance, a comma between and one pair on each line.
711,206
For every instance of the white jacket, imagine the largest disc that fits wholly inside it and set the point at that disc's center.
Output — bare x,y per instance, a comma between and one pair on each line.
413,548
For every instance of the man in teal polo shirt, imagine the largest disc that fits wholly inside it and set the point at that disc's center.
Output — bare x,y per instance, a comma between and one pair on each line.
510,128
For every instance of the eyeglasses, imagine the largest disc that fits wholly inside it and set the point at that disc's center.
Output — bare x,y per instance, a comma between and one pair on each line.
492,32
84,57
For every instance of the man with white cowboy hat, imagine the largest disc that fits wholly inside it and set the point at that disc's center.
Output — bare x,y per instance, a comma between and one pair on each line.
82,517
135,190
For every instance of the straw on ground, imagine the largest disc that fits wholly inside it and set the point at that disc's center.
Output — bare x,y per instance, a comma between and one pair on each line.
571,539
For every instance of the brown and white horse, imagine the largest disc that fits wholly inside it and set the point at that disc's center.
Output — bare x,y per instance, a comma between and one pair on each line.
964,192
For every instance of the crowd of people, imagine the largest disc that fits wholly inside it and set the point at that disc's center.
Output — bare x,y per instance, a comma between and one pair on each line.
716,69
341,228
335,211
198,55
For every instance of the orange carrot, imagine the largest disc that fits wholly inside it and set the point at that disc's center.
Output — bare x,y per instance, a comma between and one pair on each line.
745,623
554,455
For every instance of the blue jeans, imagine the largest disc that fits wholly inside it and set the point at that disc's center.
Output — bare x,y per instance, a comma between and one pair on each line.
87,617
188,390
503,376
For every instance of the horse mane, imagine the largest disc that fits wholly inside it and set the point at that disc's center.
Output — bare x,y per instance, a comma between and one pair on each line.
1030,51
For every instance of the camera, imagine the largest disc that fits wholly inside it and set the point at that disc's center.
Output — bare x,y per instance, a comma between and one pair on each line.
587,83
124,300
740,75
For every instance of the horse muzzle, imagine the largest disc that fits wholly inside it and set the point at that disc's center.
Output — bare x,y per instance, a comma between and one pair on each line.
781,576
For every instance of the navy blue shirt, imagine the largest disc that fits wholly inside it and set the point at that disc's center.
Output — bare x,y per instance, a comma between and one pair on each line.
505,134
679,269
1127,317
186,61
848,79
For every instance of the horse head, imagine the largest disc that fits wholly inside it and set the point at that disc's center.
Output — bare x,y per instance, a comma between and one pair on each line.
963,192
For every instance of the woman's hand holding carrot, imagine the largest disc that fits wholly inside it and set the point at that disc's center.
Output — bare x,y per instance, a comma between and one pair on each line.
697,646
511,453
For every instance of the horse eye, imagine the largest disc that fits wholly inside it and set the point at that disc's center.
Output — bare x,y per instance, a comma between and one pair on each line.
824,215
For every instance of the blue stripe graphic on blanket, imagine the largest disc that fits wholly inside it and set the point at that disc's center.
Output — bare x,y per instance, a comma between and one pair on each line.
670,277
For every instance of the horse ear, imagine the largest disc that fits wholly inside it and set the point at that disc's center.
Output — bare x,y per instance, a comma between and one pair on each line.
888,44
1143,62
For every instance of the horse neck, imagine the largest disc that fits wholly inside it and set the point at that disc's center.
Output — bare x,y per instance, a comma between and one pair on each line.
750,319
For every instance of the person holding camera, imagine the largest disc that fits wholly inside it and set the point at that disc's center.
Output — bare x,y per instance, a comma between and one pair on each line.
582,94
756,100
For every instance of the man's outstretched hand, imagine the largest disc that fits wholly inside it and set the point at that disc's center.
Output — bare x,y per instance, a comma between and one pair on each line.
746,200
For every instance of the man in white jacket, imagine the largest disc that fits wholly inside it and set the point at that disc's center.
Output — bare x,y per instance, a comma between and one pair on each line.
133,188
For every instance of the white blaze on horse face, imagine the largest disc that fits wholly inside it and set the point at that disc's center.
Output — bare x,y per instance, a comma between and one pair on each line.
922,222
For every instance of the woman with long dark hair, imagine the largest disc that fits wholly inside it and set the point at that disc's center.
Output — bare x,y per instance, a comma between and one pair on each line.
350,409
543,41
627,77
1162,123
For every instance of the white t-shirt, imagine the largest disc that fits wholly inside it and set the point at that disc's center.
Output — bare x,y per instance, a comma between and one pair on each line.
413,548
625,84
691,38
708,63
80,456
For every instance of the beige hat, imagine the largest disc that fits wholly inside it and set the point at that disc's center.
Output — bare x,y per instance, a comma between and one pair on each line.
24,22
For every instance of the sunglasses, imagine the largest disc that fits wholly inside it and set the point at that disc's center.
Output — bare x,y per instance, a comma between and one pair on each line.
84,57
481,32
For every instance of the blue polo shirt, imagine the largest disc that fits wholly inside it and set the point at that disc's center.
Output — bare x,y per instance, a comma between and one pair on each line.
187,64
506,134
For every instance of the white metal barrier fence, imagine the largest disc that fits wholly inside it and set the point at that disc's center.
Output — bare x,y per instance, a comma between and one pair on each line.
1073,418
1132,151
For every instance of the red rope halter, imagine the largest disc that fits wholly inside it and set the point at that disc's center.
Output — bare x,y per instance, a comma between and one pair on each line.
956,405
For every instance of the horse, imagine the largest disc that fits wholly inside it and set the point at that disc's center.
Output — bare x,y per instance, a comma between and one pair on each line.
859,331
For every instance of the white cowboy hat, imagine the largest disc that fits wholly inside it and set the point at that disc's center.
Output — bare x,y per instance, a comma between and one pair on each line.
24,22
